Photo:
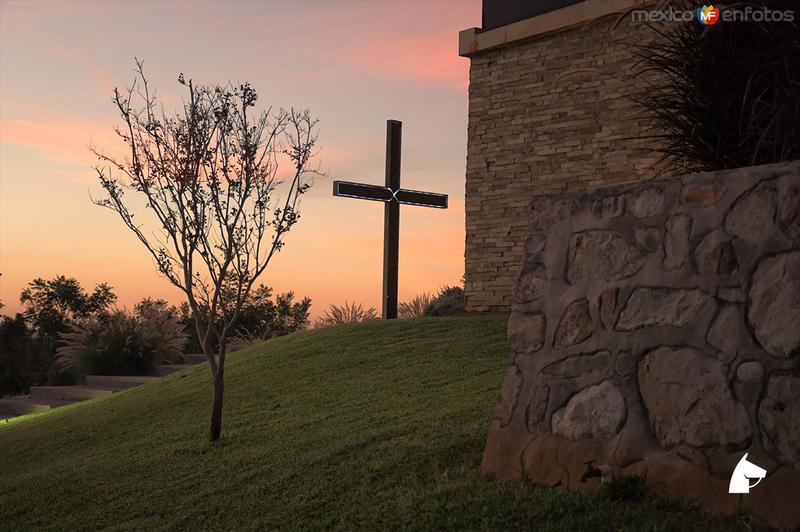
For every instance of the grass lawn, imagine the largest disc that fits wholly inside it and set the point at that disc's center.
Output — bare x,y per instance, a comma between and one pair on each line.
372,426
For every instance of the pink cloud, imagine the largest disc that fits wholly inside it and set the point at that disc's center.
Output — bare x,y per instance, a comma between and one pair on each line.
65,143
425,60
411,44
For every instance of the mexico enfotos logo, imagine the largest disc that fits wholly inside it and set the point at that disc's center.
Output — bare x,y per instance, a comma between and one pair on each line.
745,471
708,14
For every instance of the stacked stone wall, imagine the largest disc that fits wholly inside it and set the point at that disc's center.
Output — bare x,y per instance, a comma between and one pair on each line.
548,115
656,332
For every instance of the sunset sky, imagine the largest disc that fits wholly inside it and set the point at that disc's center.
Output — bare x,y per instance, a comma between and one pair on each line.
353,63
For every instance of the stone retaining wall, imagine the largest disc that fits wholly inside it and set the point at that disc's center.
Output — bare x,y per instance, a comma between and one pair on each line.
656,332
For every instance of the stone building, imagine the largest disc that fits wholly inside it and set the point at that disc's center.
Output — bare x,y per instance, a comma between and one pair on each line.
549,111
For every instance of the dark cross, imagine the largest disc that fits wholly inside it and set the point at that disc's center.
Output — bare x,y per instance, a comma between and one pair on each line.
392,196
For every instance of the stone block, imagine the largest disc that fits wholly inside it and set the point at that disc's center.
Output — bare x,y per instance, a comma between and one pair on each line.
598,254
676,242
597,412
660,306
530,283
575,326
774,307
647,202
715,254
702,194
688,400
752,216
509,395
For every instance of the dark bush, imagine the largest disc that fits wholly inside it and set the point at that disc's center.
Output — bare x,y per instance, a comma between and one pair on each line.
260,318
28,341
725,95
414,307
122,344
23,362
347,313
264,318
448,302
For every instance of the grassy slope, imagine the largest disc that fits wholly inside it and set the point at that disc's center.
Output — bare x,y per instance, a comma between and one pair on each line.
375,426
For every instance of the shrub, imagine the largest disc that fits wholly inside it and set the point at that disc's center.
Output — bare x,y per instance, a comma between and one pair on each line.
52,306
726,95
448,302
23,362
263,318
414,308
260,318
122,344
347,313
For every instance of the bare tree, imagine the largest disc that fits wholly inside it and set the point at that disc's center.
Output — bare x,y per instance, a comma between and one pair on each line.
209,179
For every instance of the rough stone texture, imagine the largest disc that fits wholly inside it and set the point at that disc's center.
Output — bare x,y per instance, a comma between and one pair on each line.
533,131
753,216
676,242
530,283
534,245
602,255
750,371
509,395
727,332
732,294
715,254
648,238
608,306
575,325
779,416
689,401
537,407
624,364
789,212
578,365
660,306
596,412
706,194
647,202
526,332
774,309
610,207
698,336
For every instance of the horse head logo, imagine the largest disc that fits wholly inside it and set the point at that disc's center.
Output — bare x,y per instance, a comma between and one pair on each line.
744,471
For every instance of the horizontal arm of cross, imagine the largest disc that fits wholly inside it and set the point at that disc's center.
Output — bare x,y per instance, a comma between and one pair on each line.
385,194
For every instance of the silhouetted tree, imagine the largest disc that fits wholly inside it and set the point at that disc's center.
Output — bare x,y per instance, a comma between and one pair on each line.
208,175
52,304
22,362
263,318
50,307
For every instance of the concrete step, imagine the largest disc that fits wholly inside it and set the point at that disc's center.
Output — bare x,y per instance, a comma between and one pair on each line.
194,359
66,393
165,369
23,404
117,382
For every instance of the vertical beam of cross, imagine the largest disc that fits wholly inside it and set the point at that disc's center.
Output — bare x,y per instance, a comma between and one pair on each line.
391,221
392,196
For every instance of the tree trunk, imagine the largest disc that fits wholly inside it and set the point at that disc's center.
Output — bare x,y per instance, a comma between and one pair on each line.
216,406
